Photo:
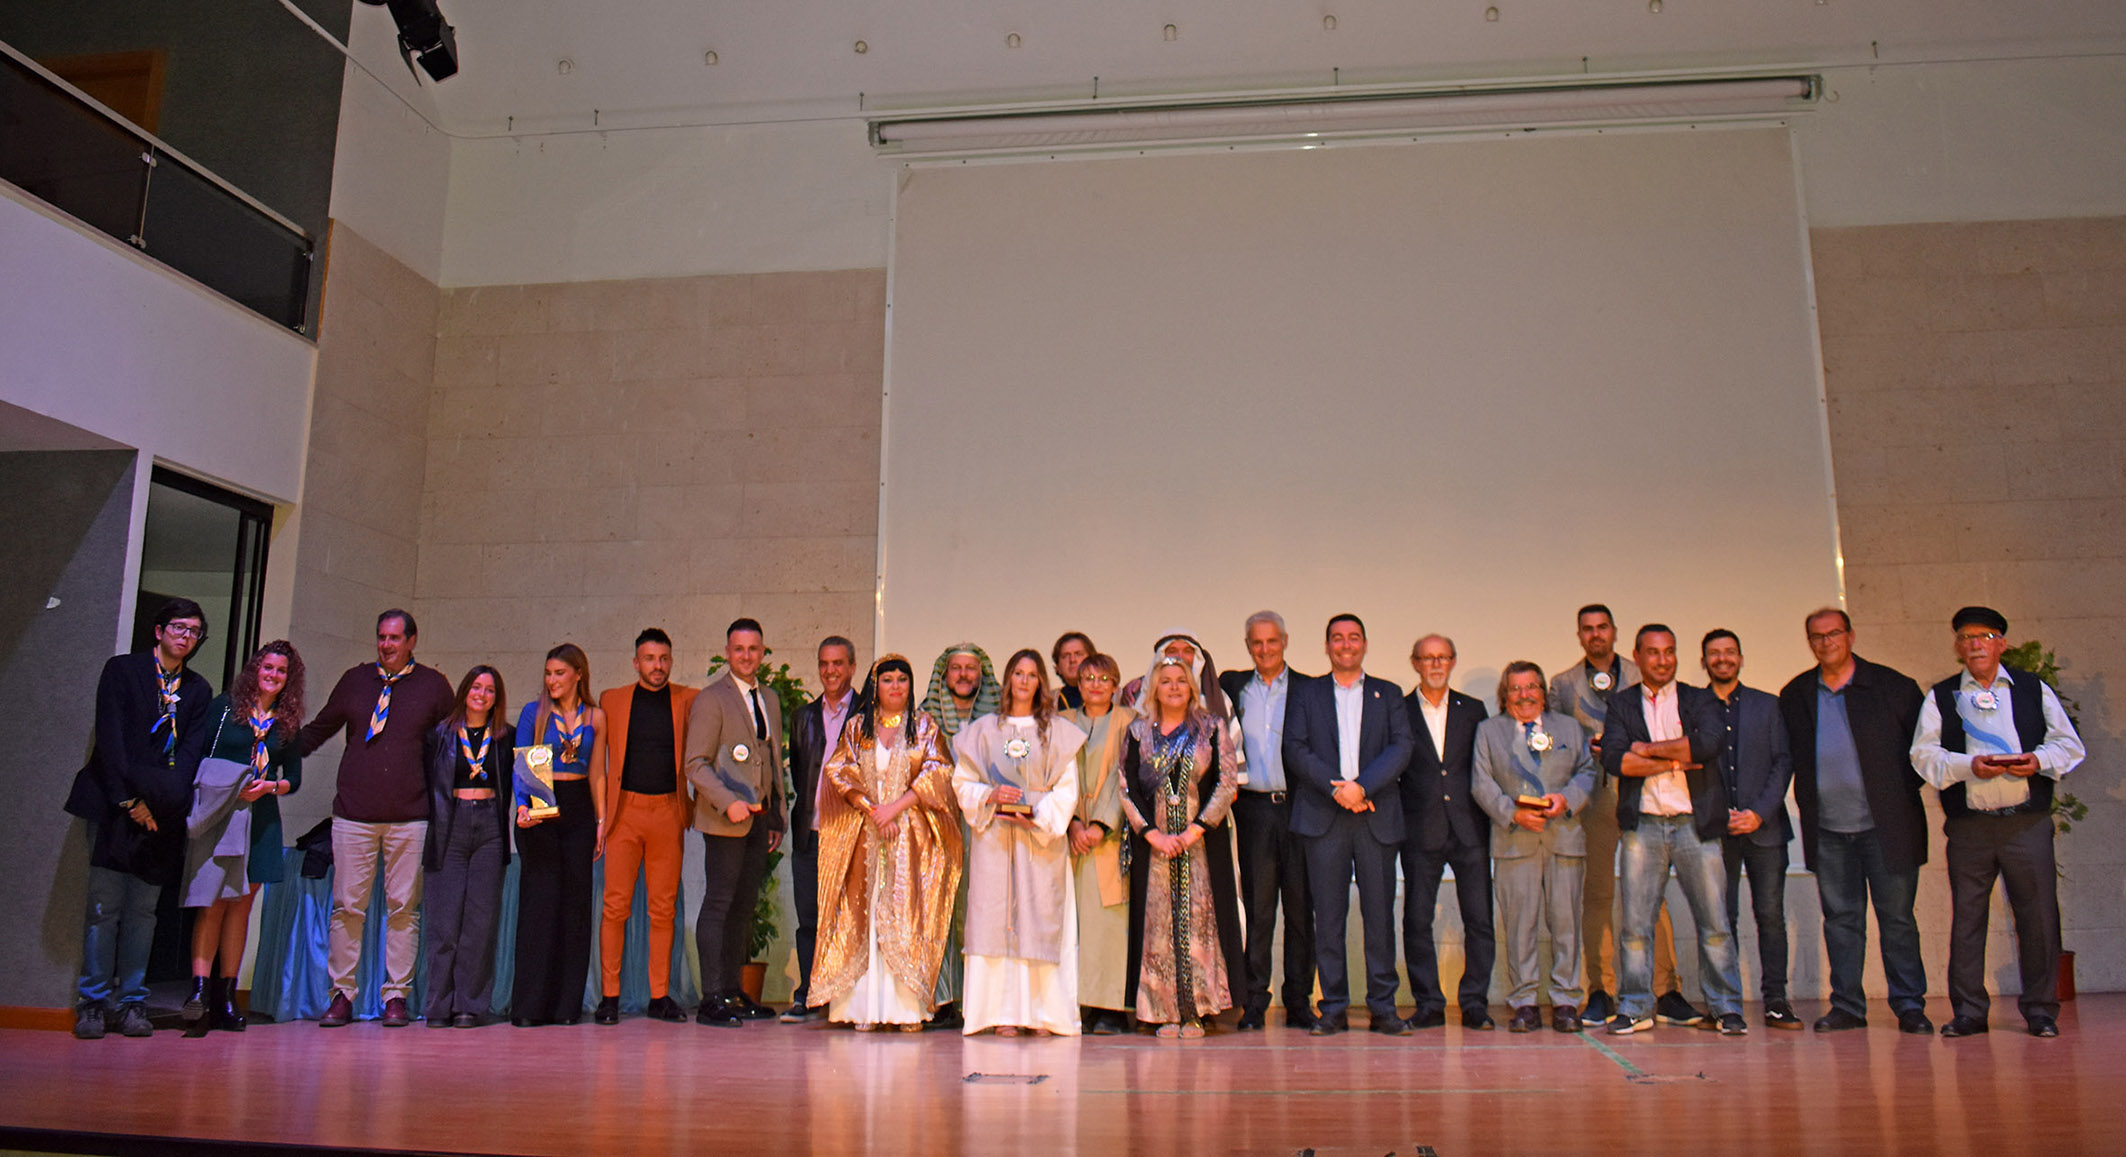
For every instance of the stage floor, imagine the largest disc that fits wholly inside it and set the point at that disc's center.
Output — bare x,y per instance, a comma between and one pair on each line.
647,1087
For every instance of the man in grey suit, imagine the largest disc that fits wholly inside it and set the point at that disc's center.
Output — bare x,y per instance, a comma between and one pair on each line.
1582,691
1756,770
1524,755
734,762
1346,743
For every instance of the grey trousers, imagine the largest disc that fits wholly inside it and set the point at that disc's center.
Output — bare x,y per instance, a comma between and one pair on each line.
464,899
2018,850
1542,888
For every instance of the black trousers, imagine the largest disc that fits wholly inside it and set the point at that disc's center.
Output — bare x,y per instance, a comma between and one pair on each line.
804,887
2018,850
1766,865
460,902
732,867
1273,870
1347,851
1422,871
556,914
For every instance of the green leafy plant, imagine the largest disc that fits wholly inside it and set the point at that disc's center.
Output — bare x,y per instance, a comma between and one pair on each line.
790,692
2032,656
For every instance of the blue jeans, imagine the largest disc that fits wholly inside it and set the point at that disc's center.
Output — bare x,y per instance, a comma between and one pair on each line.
1658,843
116,937
1850,871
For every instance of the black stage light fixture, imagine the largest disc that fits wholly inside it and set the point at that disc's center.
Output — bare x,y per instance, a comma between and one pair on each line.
425,34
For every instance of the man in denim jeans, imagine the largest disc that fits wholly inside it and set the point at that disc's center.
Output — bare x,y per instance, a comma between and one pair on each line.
1849,727
1661,740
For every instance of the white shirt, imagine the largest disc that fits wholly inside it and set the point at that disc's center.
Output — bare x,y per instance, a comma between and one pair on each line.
750,692
1350,717
2061,752
1435,721
1666,794
833,716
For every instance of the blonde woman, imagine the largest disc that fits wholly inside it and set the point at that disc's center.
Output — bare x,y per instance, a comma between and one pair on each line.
555,920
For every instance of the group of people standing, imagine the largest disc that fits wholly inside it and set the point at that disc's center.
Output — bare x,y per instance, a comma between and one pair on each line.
1008,855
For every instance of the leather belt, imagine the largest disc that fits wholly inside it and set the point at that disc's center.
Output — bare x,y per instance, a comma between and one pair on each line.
1272,796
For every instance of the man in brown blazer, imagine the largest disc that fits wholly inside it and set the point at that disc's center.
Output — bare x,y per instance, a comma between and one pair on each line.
647,811
734,761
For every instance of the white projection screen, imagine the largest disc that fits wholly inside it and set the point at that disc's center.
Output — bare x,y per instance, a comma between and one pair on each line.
1460,386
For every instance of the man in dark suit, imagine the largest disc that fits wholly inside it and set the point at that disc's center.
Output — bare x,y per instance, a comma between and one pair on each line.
1662,739
1849,728
1755,769
1444,826
1273,865
1346,745
814,731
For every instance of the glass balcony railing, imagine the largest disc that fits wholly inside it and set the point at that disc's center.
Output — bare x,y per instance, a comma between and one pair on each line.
67,151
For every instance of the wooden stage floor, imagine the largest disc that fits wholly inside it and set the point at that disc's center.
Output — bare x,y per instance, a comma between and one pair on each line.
666,1088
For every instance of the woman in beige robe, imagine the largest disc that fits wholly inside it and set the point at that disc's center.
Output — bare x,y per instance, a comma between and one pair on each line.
889,859
1016,775
1096,840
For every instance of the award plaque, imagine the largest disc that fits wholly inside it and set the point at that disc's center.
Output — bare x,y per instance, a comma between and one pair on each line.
1535,802
535,780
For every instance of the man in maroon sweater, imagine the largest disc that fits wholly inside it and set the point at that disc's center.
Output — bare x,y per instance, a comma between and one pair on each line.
380,816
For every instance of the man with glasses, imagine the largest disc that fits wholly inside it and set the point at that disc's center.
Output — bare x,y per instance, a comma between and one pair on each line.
1994,740
1444,826
1849,726
135,792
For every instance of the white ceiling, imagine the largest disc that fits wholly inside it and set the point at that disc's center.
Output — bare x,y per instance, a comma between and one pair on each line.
641,61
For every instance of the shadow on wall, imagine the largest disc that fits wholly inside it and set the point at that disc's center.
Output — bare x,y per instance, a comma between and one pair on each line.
66,524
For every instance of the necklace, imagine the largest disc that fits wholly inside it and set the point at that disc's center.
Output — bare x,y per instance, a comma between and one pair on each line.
892,720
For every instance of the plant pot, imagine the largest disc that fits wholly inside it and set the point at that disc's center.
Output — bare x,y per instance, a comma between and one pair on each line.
755,974
2066,974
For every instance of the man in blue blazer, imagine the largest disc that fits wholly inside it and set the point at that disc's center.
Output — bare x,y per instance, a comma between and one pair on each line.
1445,827
1346,743
1662,740
1756,769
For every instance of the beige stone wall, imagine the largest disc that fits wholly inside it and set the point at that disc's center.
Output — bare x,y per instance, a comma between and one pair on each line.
357,539
1976,375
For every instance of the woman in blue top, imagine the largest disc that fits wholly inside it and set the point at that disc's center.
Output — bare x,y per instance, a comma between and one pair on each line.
554,856
255,724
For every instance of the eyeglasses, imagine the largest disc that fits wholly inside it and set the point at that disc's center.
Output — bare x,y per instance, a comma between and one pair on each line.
1084,679
1435,658
184,631
1826,636
1985,637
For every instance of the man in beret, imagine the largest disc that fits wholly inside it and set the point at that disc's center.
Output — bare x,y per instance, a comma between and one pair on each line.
1994,740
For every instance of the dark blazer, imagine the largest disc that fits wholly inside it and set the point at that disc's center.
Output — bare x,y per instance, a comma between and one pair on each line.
1232,682
1311,762
810,746
127,762
1699,712
1763,767
440,754
1882,704
1436,799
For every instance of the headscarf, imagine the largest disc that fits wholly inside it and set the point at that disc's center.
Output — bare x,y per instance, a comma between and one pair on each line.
938,702
1205,671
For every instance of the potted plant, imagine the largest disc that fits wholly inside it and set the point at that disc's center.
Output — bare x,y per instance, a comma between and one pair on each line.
2067,811
790,692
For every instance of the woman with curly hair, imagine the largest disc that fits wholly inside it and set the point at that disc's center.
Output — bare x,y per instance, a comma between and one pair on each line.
225,862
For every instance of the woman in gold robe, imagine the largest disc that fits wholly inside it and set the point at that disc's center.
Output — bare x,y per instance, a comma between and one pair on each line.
889,859
1096,840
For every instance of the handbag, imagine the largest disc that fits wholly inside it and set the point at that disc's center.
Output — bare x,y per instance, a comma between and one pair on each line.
217,789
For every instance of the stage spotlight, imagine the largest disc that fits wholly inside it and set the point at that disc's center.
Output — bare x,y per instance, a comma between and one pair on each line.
425,34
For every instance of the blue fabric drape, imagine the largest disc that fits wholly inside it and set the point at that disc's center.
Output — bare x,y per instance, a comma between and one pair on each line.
289,980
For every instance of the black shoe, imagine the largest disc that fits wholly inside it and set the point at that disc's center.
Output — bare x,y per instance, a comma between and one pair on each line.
88,1022
225,1015
664,1008
2043,1026
1328,1026
1779,1014
1476,1019
1250,1021
1622,1025
1302,1017
1839,1020
720,1012
436,1020
946,1017
1915,1023
1732,1024
1428,1018
752,1009
465,1020
1964,1026
194,1009
1109,1022
1391,1025
798,1013
1599,1008
338,1013
1673,1009
608,1010
133,1020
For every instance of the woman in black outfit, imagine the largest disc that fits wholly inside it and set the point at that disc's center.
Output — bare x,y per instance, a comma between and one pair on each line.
469,764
